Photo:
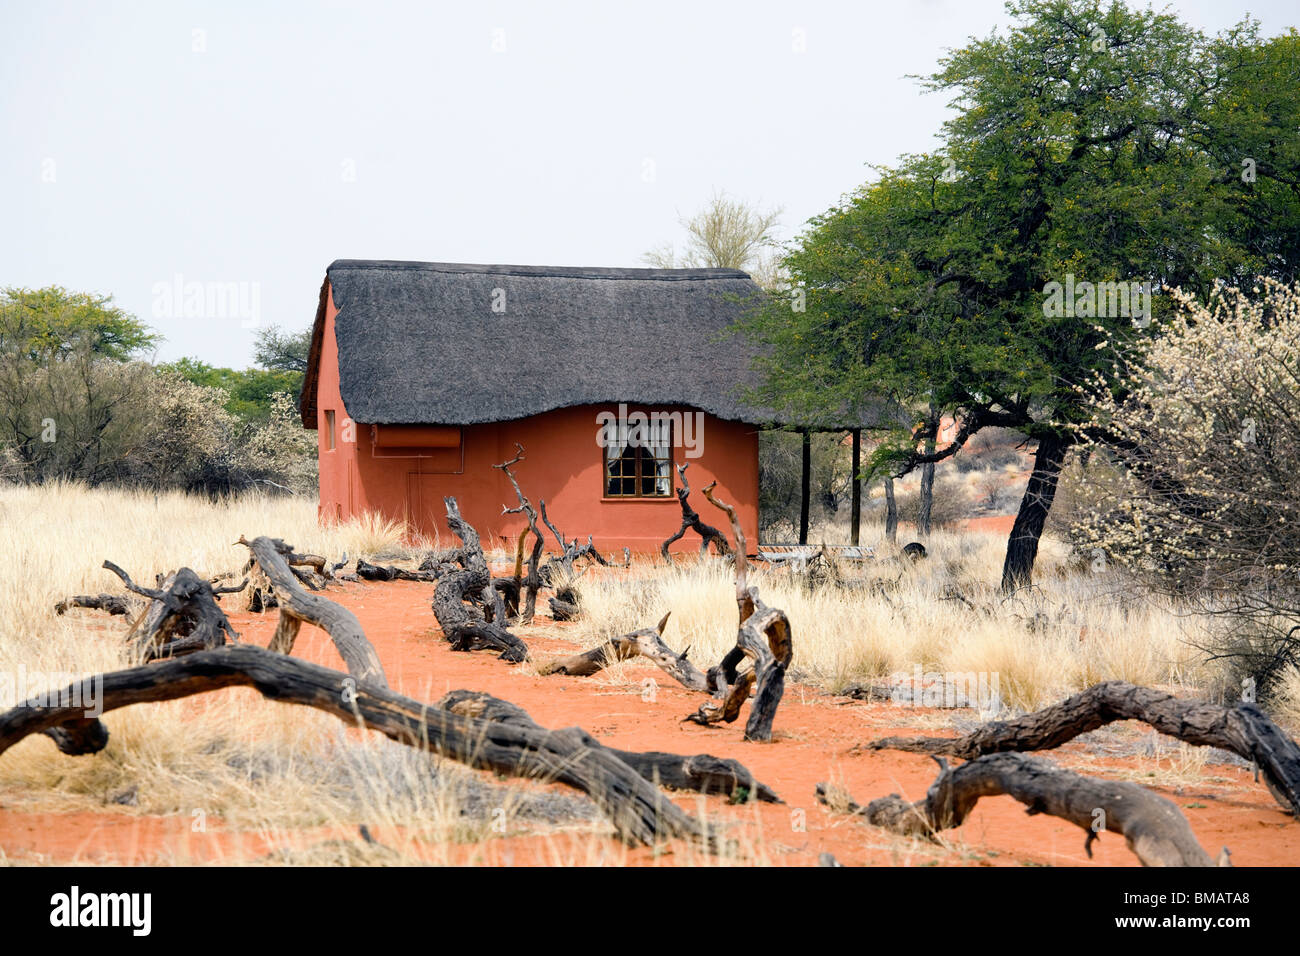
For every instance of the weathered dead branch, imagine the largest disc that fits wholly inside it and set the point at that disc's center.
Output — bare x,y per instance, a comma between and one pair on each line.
182,615
462,622
702,773
590,552
298,606
1243,729
763,636
114,604
691,522
1153,827
638,811
647,642
388,572
533,582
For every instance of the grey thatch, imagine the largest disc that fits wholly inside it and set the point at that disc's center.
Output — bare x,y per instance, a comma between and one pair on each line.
440,343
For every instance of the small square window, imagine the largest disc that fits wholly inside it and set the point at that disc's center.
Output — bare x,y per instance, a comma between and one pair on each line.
641,467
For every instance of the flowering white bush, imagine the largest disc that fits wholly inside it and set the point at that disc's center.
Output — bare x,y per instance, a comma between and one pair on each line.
1205,429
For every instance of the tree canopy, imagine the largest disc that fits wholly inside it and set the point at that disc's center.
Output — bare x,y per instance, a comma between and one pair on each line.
1091,144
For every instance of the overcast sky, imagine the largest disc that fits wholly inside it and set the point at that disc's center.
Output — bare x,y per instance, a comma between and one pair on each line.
151,145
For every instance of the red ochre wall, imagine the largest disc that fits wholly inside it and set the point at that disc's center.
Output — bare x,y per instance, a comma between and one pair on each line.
563,464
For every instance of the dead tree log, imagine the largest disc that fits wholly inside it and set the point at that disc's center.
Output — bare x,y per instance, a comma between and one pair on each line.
590,551
438,560
691,521
1243,729
638,811
1153,827
114,604
261,593
647,642
702,773
763,636
298,606
533,582
388,572
462,623
564,606
182,615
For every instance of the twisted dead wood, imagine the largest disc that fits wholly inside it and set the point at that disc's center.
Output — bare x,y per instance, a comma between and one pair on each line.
702,773
1243,729
571,551
590,551
533,582
639,813
763,637
691,521
1153,827
509,587
114,604
182,615
462,623
389,572
298,606
647,642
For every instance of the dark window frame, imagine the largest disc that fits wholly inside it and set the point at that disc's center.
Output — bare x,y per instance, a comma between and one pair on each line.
641,476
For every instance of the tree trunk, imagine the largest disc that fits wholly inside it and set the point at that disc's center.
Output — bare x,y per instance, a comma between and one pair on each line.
1022,546
805,487
927,477
927,495
891,513
855,513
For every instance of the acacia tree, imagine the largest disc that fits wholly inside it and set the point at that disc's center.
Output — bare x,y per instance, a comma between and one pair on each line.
69,392
726,234
1089,147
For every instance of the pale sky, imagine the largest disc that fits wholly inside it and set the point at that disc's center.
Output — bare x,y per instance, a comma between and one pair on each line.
255,142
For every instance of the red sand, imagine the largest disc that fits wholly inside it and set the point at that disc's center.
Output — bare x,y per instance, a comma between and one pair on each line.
817,738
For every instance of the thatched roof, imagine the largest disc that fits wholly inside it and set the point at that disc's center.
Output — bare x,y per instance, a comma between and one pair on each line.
420,342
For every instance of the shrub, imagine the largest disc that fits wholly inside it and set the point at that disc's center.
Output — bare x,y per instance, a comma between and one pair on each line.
1206,491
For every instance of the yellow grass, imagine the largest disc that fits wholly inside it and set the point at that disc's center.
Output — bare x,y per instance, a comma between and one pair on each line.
250,763
1069,632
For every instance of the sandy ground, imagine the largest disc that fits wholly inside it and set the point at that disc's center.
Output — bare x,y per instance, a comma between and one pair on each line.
816,737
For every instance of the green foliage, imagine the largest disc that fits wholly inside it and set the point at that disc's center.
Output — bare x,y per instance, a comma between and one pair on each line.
75,403
249,392
1099,142
40,326
281,350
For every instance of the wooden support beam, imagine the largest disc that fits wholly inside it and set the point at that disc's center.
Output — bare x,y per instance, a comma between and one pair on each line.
855,514
805,487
